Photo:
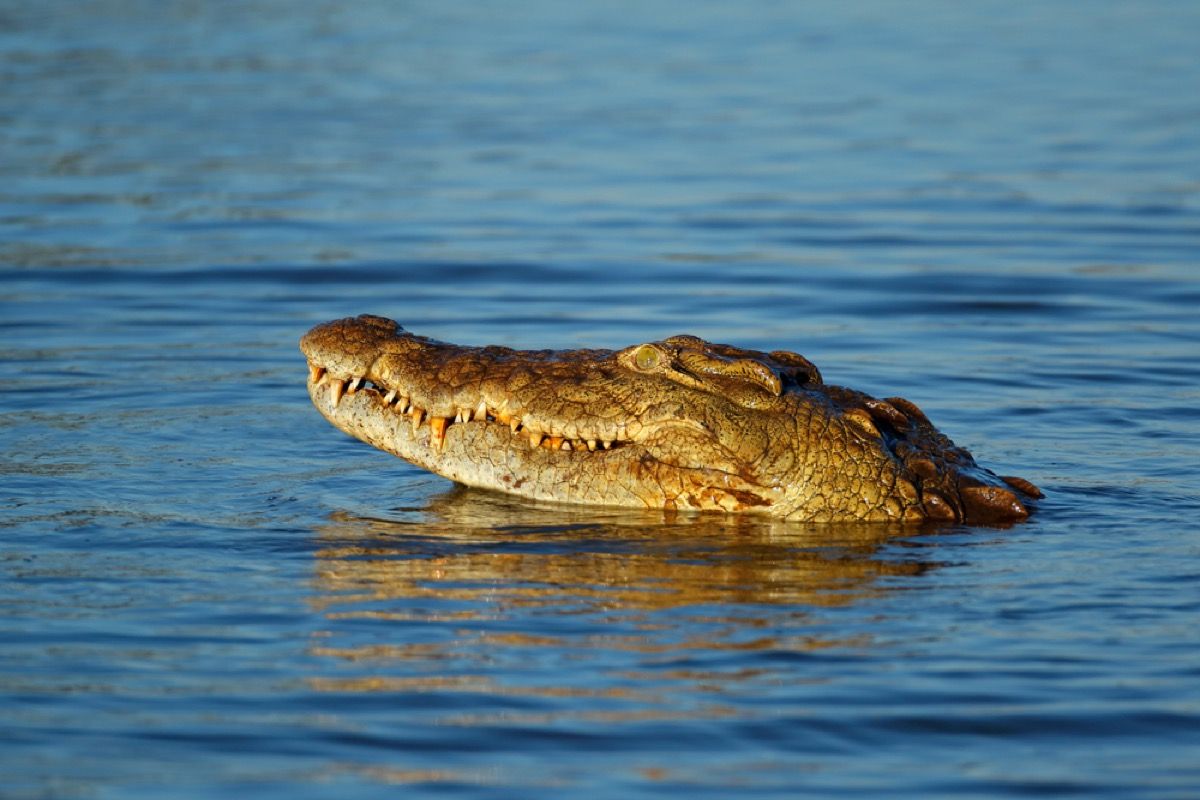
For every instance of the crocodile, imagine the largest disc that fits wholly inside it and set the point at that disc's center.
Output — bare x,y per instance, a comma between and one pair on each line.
676,424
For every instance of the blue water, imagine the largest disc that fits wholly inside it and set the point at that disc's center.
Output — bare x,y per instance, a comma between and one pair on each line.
205,591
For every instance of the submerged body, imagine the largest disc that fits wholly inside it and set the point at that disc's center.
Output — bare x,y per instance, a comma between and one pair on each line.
677,424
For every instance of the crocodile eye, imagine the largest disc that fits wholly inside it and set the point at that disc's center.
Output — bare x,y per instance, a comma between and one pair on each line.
645,357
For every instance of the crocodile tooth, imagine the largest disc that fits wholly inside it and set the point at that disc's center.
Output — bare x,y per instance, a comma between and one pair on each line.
337,387
555,442
503,418
458,416
566,445
417,414
481,411
437,431
591,445
514,424
390,397
315,373
608,443
404,404
535,439
355,383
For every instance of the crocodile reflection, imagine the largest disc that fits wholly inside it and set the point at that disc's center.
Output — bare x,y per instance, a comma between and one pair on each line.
508,579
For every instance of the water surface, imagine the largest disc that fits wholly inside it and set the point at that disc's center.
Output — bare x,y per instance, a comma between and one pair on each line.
206,591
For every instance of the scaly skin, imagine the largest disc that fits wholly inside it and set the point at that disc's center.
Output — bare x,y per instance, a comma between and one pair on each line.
677,424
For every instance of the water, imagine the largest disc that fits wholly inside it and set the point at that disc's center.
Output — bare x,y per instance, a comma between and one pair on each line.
208,592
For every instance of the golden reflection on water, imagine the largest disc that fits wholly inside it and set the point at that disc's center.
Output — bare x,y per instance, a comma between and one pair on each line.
489,551
596,612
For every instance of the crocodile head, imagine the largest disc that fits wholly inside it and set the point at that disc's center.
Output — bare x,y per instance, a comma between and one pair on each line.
678,424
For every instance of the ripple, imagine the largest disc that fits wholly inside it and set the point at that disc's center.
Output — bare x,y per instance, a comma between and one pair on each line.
196,571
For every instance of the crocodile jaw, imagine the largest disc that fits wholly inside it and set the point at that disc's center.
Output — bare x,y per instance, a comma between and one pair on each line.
505,429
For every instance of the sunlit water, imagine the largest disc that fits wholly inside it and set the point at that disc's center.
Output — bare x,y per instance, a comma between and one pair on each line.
206,591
